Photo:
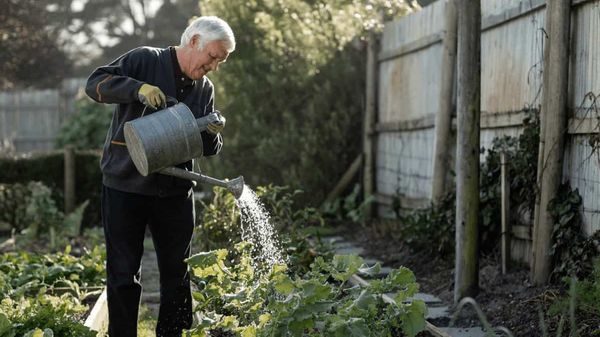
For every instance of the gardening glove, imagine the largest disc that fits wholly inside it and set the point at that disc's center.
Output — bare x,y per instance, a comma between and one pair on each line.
151,96
216,127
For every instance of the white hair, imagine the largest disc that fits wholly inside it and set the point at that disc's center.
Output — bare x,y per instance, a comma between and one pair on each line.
210,28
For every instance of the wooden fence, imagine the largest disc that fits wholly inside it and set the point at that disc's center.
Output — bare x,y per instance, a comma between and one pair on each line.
31,119
409,86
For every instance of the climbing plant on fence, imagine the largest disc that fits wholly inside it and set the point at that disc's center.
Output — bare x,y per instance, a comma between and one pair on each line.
432,229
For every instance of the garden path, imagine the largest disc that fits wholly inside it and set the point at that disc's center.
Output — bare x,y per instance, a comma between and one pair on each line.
436,310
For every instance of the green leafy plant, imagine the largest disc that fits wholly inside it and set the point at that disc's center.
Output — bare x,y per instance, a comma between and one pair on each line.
234,300
29,274
572,251
349,208
432,229
219,220
42,294
582,301
59,316
87,128
31,210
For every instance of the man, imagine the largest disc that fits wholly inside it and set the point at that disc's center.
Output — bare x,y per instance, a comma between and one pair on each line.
145,77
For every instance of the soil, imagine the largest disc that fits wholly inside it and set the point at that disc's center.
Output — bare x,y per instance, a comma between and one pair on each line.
510,300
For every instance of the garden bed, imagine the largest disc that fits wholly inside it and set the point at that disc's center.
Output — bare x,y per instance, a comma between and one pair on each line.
507,300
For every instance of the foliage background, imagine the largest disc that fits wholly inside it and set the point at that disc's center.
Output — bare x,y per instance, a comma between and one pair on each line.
293,91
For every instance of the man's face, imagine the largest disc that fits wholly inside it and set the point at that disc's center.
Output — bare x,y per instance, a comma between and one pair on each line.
201,62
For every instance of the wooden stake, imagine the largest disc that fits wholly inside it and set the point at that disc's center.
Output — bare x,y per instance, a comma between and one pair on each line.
505,217
443,118
69,169
467,158
345,180
554,124
369,121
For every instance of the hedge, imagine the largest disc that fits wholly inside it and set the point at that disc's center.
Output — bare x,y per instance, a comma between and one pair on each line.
48,167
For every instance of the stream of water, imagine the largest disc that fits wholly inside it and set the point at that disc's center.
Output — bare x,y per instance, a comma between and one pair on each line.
258,230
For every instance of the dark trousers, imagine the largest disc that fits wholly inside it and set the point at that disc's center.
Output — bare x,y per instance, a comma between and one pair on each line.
171,222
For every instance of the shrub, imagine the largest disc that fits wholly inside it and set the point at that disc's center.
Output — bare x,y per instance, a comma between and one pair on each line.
48,168
87,128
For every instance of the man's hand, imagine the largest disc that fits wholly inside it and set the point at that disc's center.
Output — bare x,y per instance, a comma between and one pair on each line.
152,96
216,127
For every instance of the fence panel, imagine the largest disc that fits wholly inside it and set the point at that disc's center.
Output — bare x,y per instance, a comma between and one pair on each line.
31,119
513,39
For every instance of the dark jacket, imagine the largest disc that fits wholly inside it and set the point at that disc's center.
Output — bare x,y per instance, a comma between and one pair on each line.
119,83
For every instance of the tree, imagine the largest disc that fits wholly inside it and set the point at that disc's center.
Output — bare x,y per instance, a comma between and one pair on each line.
293,90
31,54
106,29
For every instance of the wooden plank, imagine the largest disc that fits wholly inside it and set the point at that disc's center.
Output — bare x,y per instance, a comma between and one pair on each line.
581,2
497,120
511,14
578,126
521,232
405,202
410,47
524,9
345,180
410,125
502,119
98,317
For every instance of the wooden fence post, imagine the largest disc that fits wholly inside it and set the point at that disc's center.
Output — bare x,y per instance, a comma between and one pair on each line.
369,121
505,216
554,121
69,167
443,118
467,158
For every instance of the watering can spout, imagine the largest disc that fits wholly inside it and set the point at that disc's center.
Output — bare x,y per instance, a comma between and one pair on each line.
235,186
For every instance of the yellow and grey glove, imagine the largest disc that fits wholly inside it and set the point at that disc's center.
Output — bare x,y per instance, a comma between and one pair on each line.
152,96
216,127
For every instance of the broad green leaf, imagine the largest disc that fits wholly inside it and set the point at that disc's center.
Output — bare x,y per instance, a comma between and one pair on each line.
413,320
353,327
6,329
370,271
345,266
248,331
228,323
313,290
34,333
284,286
364,300
207,259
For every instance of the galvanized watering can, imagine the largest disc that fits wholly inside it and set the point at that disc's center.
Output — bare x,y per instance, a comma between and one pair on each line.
171,136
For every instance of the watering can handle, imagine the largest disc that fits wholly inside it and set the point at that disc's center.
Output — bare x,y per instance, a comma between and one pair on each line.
172,100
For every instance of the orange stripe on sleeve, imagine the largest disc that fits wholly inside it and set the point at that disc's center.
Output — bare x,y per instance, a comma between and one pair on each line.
98,87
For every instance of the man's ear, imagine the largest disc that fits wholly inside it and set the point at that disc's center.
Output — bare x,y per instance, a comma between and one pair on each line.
195,41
